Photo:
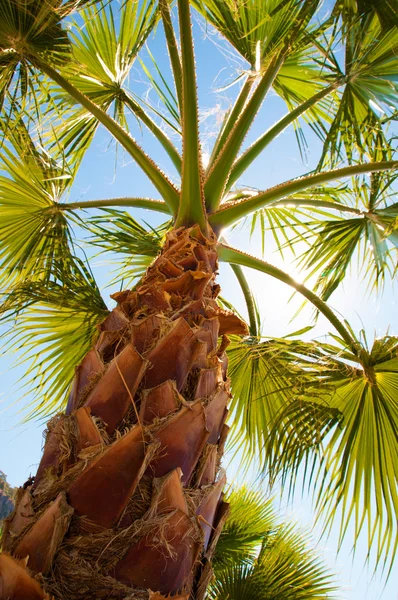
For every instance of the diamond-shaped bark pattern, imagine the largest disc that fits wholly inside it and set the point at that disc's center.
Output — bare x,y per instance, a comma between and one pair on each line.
173,356
41,542
207,383
90,366
182,440
143,331
169,494
158,402
103,489
208,332
164,558
137,456
113,394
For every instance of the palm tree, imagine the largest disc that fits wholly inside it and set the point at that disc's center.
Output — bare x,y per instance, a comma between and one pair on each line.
128,499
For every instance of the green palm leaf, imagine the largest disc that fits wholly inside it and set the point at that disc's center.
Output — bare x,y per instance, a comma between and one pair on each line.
370,93
102,57
255,28
283,568
265,377
353,464
250,519
35,236
37,26
336,243
52,328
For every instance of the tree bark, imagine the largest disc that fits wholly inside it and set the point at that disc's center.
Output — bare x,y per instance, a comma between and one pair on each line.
127,502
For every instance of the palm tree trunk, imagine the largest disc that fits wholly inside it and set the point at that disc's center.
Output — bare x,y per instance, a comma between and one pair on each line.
127,501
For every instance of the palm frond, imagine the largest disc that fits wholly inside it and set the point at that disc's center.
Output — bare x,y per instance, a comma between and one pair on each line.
253,27
284,568
102,56
265,378
370,93
250,520
36,239
368,239
353,465
165,94
33,28
350,10
51,328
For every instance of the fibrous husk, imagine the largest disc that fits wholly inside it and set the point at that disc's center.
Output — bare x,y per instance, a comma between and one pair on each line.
20,519
207,331
139,452
88,433
207,509
207,467
206,383
58,448
168,494
219,521
205,578
157,596
116,320
77,579
173,356
145,331
215,411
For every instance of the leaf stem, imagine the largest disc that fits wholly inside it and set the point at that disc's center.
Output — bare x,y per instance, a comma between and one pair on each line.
231,119
155,129
155,205
219,174
248,296
316,204
246,159
191,209
230,255
234,211
167,190
172,48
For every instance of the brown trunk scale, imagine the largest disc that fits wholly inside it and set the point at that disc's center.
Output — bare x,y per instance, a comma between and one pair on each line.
127,502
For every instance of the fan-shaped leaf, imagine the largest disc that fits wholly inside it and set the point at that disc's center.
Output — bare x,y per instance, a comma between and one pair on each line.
353,464
52,327
284,568
102,57
370,93
254,28
35,236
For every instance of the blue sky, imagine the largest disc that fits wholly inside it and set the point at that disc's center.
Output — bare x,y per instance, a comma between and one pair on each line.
103,175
